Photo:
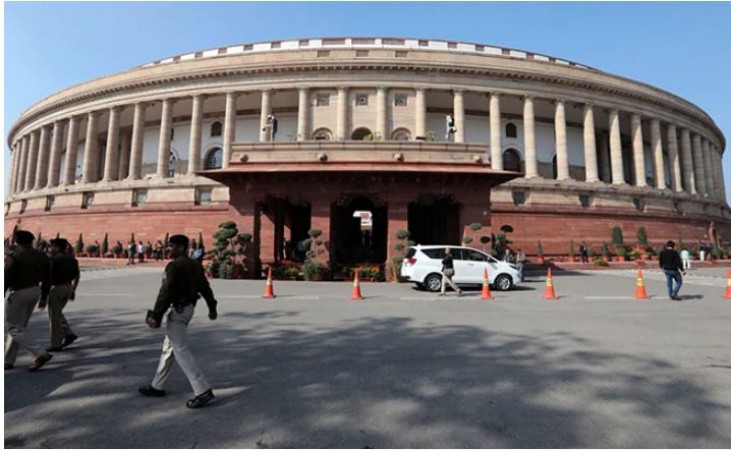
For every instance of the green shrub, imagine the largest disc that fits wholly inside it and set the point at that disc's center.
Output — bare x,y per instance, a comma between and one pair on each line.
476,226
642,236
467,240
617,237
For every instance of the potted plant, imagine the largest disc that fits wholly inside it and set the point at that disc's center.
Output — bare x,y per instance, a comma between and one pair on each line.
605,252
394,269
621,253
313,269
105,246
92,250
118,250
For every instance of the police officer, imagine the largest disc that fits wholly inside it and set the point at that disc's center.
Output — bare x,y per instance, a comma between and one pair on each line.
64,280
182,282
24,270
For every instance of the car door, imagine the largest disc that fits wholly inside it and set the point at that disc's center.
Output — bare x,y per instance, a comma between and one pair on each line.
471,265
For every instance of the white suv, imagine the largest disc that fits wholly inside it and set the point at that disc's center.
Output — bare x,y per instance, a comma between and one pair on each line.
423,265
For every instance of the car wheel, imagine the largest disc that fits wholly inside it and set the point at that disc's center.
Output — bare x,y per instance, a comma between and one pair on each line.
503,282
433,283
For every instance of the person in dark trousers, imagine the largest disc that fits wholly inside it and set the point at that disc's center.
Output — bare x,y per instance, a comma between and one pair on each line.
64,280
448,273
25,269
584,252
183,280
670,264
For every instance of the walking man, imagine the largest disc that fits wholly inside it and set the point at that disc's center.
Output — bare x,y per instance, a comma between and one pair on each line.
671,265
64,280
25,269
448,273
685,257
584,252
182,282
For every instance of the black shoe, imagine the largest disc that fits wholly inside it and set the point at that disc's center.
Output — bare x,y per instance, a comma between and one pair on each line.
149,391
676,298
68,340
200,400
54,349
40,362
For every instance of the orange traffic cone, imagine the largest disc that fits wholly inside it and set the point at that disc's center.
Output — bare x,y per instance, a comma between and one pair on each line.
356,288
550,294
269,290
640,292
727,295
485,287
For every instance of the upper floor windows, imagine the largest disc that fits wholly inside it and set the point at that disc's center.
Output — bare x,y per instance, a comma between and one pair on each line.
214,159
511,130
322,100
511,160
400,100
322,134
361,99
216,129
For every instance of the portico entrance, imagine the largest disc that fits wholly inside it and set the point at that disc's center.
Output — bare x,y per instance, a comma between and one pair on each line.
358,230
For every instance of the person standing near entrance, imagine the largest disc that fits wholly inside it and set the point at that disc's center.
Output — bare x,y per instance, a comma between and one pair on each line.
448,273
685,257
671,265
25,269
182,282
64,280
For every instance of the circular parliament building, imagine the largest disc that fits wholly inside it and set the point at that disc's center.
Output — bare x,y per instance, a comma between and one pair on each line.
361,138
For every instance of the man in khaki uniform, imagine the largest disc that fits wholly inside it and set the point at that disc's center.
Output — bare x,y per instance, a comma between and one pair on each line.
64,280
182,282
25,269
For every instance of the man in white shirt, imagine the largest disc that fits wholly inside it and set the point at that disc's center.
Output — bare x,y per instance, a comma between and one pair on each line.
685,257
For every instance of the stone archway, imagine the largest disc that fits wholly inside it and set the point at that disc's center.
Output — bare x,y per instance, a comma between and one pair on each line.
359,134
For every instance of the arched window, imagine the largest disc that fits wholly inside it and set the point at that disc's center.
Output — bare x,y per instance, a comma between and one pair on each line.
214,159
216,129
401,134
360,133
511,160
322,134
511,130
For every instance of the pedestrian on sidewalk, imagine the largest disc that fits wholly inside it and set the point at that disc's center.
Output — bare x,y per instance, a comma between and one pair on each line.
64,280
670,264
685,257
448,273
182,282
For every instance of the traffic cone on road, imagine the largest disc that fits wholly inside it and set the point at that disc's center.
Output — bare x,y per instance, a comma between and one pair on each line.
550,294
727,295
356,288
640,292
269,290
485,287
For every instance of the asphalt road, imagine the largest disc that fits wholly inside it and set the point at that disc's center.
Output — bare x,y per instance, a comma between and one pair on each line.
400,369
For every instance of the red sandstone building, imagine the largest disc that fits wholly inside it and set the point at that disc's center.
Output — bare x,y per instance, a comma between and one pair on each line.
553,148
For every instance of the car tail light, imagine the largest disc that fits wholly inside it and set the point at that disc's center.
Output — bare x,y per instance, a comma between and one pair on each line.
411,261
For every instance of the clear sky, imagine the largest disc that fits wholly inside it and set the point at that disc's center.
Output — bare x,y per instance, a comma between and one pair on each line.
684,48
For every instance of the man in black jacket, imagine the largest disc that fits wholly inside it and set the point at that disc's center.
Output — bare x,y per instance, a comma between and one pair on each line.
182,282
670,263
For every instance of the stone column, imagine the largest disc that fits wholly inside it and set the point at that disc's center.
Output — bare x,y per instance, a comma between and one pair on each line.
266,110
604,165
708,166
715,166
342,123
91,149
163,146
420,125
458,109
43,156
496,140
196,125
721,181
303,115
592,173
529,138
615,148
124,155
699,165
111,162
72,151
562,153
30,171
382,113
22,168
138,130
638,151
659,162
54,171
687,161
14,168
229,127
674,159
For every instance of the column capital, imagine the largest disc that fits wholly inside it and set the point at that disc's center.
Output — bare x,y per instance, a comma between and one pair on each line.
493,94
266,90
116,108
382,88
526,97
303,88
420,89
199,96
457,91
342,88
588,105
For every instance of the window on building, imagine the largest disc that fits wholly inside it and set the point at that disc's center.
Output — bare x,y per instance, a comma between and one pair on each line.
518,198
23,205
139,197
50,199
401,134
423,43
585,200
676,208
400,100
361,99
214,159
639,204
87,199
361,53
322,134
323,53
511,160
203,195
402,54
511,130
322,100
216,129
172,134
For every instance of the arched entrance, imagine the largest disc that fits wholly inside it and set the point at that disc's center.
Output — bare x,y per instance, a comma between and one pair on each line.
359,228
434,220
359,134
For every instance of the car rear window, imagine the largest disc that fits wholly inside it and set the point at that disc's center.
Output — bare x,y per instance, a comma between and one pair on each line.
434,253
410,253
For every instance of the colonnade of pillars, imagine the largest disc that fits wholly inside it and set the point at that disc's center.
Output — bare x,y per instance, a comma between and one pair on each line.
694,162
